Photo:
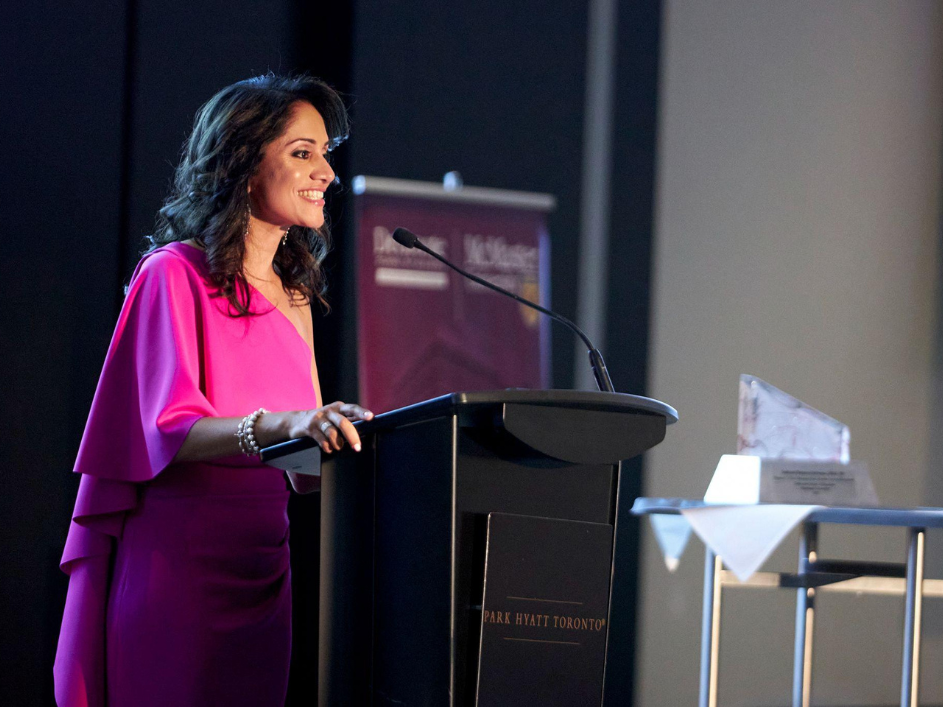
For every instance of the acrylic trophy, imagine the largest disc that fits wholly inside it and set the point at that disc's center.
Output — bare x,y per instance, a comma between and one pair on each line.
788,452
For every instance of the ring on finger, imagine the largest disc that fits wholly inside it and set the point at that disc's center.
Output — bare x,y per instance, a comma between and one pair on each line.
325,425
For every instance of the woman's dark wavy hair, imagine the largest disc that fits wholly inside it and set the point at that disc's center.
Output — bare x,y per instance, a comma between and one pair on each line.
209,199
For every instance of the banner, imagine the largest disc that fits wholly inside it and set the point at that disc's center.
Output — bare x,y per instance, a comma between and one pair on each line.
423,330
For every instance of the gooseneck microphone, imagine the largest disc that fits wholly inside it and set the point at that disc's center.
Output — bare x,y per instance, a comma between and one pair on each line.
410,240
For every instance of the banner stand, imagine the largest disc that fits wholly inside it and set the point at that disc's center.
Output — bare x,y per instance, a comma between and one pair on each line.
422,329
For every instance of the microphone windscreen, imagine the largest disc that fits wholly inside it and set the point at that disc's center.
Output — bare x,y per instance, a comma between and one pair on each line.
405,238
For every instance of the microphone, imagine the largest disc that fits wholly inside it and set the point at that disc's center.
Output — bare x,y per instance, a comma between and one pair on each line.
409,239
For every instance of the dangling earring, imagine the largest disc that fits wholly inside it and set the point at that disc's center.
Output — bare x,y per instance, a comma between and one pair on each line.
285,237
248,215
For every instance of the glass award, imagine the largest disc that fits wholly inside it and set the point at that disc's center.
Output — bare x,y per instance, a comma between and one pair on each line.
772,424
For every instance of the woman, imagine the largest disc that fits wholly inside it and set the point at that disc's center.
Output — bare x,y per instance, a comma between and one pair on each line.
178,550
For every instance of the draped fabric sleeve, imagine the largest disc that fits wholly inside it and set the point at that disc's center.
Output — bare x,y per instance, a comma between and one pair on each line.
148,397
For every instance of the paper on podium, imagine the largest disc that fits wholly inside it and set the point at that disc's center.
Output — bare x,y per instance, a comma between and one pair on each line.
307,461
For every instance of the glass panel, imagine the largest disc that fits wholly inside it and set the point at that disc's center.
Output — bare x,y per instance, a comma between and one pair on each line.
773,424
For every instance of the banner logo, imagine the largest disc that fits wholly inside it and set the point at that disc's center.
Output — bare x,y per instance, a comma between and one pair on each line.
396,266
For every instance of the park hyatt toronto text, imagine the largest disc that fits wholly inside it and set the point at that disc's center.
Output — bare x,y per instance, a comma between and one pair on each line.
521,618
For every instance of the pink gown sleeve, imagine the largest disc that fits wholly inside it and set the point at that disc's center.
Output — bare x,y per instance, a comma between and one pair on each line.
148,397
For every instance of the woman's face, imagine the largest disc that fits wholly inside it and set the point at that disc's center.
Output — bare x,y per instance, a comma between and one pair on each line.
288,187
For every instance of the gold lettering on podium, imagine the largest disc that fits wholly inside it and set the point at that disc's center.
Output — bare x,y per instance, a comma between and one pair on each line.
557,621
553,622
496,617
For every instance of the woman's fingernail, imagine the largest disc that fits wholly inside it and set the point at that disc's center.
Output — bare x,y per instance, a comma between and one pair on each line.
357,446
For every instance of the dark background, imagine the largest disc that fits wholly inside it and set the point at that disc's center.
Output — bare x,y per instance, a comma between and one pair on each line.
99,98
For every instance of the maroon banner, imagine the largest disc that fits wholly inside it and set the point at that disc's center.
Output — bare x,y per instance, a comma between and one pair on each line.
423,330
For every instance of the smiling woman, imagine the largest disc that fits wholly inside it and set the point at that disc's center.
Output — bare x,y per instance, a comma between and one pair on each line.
289,186
179,589
235,141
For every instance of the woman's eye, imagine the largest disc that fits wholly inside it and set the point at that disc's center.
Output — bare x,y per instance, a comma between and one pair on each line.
303,154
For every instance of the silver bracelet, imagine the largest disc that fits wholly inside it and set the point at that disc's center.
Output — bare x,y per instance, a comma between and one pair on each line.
246,433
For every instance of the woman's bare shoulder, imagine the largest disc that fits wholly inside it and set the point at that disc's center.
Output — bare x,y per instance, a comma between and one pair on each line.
301,304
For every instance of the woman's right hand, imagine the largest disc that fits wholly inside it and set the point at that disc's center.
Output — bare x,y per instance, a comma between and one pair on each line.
331,426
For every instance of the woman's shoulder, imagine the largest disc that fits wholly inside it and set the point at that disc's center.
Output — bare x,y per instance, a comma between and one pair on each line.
168,280
172,261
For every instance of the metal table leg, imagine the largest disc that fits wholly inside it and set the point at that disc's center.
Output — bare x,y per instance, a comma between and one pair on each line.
913,611
805,620
710,629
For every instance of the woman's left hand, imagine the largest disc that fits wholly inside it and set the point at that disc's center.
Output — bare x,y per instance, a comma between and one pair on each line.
331,426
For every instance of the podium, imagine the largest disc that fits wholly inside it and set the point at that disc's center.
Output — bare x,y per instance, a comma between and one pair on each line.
405,541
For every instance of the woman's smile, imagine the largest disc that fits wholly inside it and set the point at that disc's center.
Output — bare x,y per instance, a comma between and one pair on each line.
312,196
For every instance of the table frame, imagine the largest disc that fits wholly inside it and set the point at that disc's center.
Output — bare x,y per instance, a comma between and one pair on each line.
813,575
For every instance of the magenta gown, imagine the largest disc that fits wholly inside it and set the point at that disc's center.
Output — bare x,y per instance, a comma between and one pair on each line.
179,589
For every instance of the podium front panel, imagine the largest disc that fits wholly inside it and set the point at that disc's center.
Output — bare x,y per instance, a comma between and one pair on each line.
404,531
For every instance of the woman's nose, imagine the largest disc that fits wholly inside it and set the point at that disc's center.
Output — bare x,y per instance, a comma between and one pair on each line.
323,171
